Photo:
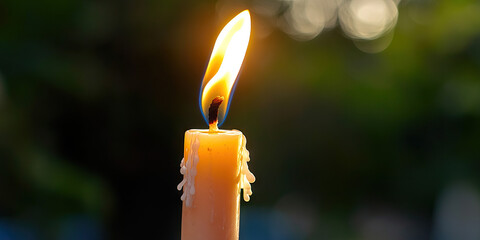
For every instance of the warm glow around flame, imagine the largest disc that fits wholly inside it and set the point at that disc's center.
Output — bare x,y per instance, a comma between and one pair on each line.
225,63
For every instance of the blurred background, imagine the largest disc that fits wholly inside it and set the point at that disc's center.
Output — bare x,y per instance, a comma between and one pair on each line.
362,117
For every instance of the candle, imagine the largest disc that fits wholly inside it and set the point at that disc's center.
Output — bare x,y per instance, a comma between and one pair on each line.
214,166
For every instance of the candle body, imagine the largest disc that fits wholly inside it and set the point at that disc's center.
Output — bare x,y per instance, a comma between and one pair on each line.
211,210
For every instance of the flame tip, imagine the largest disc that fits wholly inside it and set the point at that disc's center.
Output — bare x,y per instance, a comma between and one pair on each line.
225,62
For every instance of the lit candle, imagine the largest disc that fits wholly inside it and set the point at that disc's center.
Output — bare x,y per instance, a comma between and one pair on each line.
214,166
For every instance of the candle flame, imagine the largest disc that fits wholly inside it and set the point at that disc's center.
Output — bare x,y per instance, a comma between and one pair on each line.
225,63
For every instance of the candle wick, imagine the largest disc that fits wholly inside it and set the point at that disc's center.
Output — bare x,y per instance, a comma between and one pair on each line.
213,113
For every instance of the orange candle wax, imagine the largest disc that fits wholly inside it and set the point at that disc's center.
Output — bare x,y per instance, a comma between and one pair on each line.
217,162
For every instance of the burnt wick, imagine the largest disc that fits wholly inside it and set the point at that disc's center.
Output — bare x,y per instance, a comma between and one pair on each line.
213,113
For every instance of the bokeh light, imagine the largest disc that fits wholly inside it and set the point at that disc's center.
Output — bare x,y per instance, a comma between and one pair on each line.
364,20
368,19
305,19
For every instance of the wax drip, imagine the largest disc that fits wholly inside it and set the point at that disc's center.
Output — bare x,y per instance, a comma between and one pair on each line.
188,168
246,177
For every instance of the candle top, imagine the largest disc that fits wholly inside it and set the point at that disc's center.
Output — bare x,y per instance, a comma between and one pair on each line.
219,131
195,138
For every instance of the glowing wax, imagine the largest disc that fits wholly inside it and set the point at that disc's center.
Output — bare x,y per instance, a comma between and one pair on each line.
217,160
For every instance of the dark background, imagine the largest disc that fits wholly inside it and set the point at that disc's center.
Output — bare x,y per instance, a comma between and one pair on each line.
346,142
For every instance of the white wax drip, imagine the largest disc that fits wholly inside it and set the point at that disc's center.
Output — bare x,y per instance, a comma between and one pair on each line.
188,168
246,177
